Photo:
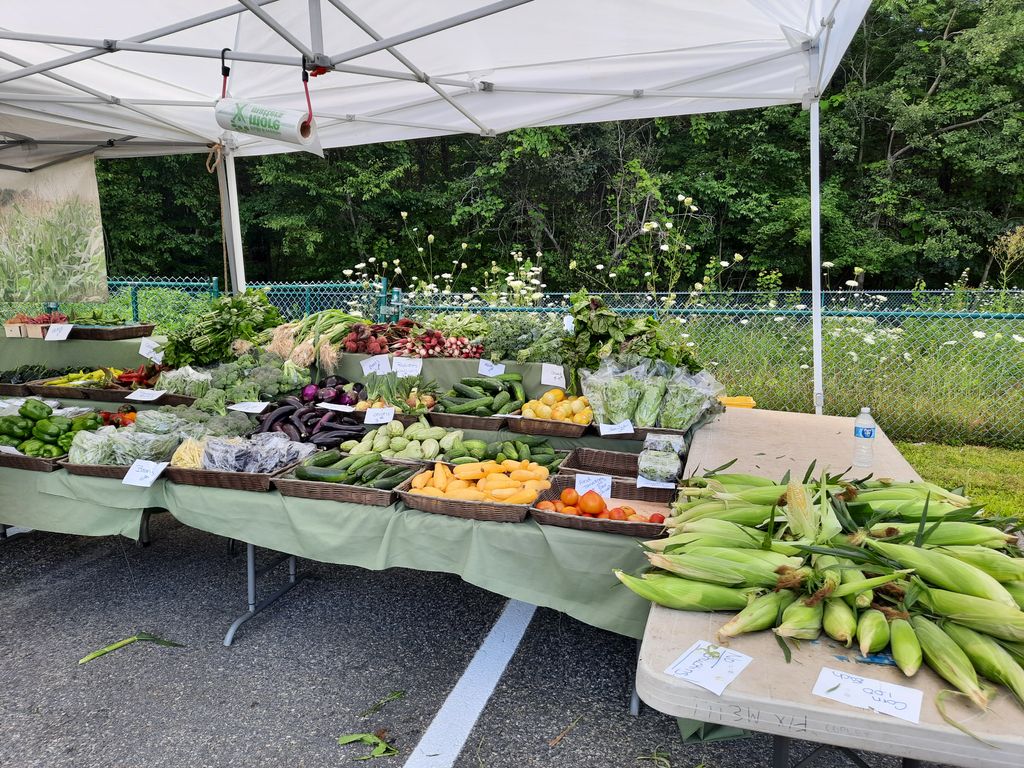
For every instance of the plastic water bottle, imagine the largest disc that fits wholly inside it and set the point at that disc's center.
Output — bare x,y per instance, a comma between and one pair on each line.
864,439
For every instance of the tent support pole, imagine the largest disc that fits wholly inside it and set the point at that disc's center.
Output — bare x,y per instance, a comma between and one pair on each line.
230,220
819,390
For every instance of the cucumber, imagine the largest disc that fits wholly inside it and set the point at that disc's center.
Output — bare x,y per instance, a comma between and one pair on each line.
542,450
388,482
492,449
320,474
464,460
509,449
486,383
511,406
475,448
522,450
483,412
472,405
468,391
532,440
500,457
500,400
512,377
518,391
455,452
322,458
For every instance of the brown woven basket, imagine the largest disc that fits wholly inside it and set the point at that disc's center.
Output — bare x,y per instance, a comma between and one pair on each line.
597,462
14,390
230,481
355,494
114,471
548,427
486,511
621,489
111,333
30,463
40,388
464,421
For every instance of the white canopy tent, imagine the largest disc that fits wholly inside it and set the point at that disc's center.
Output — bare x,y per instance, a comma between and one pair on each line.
122,78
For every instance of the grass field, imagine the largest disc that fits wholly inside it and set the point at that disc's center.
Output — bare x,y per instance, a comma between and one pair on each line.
992,476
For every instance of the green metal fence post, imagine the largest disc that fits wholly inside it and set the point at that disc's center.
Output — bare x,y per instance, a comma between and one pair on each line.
382,301
215,290
135,302
396,301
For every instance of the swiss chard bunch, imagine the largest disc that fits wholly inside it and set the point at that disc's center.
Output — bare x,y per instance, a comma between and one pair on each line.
238,317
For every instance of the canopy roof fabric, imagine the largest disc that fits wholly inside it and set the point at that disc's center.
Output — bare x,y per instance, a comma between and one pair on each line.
141,78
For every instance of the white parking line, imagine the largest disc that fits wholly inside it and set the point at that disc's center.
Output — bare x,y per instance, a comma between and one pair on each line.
447,733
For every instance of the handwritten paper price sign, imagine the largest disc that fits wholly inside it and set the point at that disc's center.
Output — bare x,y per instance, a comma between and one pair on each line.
600,484
148,348
379,415
643,482
487,368
144,473
552,375
335,407
622,428
379,364
249,406
146,395
865,693
58,331
710,666
404,367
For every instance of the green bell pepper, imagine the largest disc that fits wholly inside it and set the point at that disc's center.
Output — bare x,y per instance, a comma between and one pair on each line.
15,426
10,442
31,447
47,431
63,423
51,452
34,409
65,440
87,421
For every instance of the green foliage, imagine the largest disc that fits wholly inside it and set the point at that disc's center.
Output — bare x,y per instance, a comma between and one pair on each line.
922,159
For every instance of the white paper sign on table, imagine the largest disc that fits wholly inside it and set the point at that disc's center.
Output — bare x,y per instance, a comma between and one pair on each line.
405,367
710,666
144,473
601,484
643,482
335,407
249,406
380,364
552,375
11,450
865,693
149,348
487,368
622,428
146,395
379,415
568,324
58,331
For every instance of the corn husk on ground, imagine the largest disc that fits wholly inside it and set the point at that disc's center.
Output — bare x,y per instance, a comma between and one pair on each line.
907,569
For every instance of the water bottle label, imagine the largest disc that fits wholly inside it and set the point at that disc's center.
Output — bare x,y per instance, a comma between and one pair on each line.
868,432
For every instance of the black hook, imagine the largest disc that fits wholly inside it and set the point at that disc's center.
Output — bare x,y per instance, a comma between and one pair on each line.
225,70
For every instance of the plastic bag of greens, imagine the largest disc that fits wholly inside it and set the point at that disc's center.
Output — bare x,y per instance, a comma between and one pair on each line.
660,466
652,392
92,447
613,393
158,422
264,452
128,445
688,398
185,381
661,441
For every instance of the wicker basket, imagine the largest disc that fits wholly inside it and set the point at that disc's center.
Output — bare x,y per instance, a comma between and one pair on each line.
621,489
113,471
486,511
14,390
593,461
111,333
355,494
548,427
465,421
40,388
29,463
230,481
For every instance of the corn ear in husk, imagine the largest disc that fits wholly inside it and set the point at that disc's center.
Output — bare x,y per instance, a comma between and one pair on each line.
906,650
762,613
948,661
872,632
801,621
839,621
989,658
684,594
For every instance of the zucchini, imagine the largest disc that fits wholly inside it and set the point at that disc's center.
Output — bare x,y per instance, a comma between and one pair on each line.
486,383
511,377
372,471
500,400
322,458
472,405
468,391
363,460
347,461
511,406
320,474
464,460
388,482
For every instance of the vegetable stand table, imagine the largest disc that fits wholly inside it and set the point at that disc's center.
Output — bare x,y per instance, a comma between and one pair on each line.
123,353
774,697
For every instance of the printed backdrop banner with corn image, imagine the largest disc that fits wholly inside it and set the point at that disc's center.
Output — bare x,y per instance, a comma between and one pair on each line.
51,235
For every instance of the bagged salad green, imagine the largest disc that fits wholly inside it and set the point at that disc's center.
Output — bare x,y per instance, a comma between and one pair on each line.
652,392
613,393
660,466
687,398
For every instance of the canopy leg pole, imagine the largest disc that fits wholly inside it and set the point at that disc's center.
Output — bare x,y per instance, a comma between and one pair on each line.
819,389
230,221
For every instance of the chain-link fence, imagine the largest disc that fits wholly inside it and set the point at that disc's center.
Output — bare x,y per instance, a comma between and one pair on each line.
300,299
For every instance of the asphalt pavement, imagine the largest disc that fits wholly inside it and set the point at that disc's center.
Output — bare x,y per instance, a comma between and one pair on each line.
301,674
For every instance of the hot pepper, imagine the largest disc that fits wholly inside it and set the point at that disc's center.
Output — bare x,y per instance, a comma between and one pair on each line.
47,431
15,426
36,410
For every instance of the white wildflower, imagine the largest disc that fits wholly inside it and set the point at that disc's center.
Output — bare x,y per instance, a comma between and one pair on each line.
858,270
744,321
723,263
347,272
669,225
430,238
737,257
698,286
398,270
978,334
852,283
827,265
599,267
1018,338
405,215
680,198
804,367
800,306
663,246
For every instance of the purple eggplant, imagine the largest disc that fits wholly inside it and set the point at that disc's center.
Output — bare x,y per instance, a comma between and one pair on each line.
277,415
330,381
327,395
322,423
309,393
292,432
348,397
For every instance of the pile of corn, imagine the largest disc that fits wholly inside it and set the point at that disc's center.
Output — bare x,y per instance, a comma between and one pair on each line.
908,567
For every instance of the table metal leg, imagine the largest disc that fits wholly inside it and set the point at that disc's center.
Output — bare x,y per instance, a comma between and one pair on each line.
909,762
634,697
144,539
780,752
251,575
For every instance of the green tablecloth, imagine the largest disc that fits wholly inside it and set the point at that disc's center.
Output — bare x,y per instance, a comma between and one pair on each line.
63,503
124,353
